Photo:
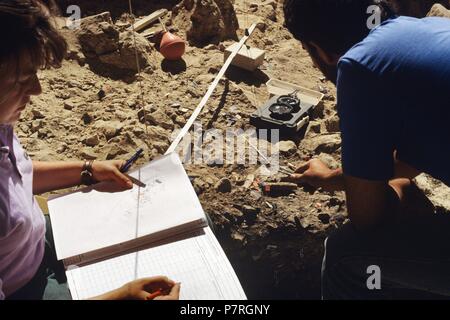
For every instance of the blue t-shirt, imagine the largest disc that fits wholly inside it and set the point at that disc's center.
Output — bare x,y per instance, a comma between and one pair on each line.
394,94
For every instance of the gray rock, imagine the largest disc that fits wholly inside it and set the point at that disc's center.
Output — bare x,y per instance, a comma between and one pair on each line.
313,128
62,148
114,151
138,131
199,186
268,12
92,141
249,181
438,10
158,118
329,160
88,154
125,57
97,35
435,190
180,120
109,128
332,124
318,110
271,3
209,180
37,114
68,105
326,143
238,237
155,133
36,125
287,147
160,146
104,45
212,21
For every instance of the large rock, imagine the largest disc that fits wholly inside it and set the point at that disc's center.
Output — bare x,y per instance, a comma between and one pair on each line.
109,129
313,129
329,160
88,154
157,118
211,21
416,8
332,124
266,9
125,56
113,151
326,143
436,191
439,10
92,140
109,50
287,147
155,133
97,35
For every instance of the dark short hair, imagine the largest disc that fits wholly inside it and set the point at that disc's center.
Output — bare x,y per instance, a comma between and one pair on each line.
335,25
25,25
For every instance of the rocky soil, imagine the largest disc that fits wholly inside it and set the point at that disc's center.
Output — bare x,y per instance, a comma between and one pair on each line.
95,107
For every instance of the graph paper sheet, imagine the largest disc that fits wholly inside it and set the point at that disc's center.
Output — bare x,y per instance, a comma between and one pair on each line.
199,263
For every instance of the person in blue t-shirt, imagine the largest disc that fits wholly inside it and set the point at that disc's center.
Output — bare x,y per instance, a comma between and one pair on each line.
393,85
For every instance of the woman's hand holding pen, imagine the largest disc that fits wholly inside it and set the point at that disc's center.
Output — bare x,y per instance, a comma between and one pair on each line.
110,171
115,171
155,288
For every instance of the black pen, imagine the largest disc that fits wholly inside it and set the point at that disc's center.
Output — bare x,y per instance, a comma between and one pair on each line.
131,161
128,165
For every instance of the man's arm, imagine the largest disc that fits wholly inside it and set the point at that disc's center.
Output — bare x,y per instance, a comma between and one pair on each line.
317,174
372,203
369,203
385,201
51,176
371,124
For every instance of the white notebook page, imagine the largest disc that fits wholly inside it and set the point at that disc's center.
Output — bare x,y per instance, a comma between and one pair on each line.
199,263
88,221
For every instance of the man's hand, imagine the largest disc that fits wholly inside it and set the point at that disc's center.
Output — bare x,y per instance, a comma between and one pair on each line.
317,174
110,171
145,289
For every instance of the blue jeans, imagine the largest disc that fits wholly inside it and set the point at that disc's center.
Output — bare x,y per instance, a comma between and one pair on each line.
413,257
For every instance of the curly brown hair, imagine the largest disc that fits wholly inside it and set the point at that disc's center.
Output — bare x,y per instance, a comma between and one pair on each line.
26,26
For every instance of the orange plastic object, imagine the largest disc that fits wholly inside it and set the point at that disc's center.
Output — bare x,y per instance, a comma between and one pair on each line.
172,47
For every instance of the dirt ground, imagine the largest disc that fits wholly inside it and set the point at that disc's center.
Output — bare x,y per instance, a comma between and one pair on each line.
274,243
